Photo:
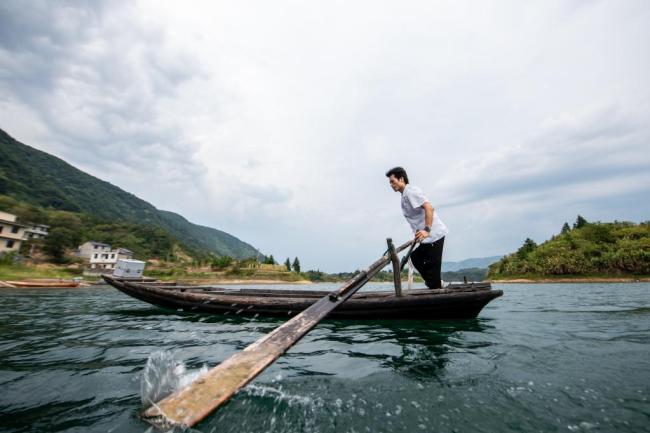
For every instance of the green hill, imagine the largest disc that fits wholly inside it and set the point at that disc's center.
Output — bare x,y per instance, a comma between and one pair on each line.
41,179
586,250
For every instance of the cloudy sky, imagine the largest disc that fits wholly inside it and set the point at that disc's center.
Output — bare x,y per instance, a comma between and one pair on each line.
275,121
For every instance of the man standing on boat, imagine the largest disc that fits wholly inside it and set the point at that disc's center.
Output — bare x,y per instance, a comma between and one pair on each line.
429,229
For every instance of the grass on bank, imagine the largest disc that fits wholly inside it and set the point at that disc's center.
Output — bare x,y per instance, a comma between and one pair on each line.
22,272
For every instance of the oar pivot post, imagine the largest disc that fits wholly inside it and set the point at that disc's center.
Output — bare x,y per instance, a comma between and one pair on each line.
397,269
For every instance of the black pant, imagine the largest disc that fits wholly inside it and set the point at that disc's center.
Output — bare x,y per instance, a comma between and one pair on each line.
427,259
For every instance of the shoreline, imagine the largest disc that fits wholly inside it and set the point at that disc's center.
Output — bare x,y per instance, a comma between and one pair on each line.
181,282
210,281
584,280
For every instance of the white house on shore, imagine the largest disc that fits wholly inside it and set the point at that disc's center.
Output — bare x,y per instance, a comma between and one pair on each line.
90,248
36,231
11,233
101,255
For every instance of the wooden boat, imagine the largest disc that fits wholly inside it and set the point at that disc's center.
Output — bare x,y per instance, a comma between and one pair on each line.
45,283
456,301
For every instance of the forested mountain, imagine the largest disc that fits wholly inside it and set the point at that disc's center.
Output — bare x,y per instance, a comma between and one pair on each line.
586,249
41,179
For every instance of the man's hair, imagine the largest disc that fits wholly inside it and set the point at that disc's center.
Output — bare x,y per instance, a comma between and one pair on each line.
399,173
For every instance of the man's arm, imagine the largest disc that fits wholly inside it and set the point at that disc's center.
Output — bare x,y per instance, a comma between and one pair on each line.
428,221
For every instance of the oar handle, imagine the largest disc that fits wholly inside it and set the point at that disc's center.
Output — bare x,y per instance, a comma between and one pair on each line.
406,257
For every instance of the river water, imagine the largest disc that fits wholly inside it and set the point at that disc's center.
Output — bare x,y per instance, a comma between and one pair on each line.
542,358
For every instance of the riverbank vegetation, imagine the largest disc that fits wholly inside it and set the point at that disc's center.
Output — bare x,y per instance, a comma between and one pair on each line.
166,256
70,229
586,249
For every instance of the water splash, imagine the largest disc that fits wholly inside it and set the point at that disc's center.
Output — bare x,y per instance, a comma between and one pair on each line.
286,412
164,374
174,429
280,396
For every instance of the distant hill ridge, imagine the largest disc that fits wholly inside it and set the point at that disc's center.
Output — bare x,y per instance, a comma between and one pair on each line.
42,179
481,263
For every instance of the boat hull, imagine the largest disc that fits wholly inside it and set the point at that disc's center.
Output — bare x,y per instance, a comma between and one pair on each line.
461,301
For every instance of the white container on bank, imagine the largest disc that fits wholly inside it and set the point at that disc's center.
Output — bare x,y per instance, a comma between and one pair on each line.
126,268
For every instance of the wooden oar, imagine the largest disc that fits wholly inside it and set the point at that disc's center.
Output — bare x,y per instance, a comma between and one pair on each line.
406,257
192,404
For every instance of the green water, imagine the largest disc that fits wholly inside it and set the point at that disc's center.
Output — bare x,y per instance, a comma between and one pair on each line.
542,358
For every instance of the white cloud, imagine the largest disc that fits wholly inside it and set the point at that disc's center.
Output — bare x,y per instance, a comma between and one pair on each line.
571,148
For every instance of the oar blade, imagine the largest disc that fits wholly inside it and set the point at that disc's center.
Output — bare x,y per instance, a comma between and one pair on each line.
199,399
196,401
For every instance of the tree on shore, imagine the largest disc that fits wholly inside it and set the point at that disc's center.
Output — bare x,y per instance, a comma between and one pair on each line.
565,228
296,265
528,246
580,222
287,263
58,240
221,262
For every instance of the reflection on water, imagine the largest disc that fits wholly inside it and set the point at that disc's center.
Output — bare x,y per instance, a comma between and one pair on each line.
424,346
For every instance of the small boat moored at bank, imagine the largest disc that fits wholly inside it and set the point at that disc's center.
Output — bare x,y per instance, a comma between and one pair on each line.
43,283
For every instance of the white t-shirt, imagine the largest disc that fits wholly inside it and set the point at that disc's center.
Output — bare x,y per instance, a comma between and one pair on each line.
412,200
